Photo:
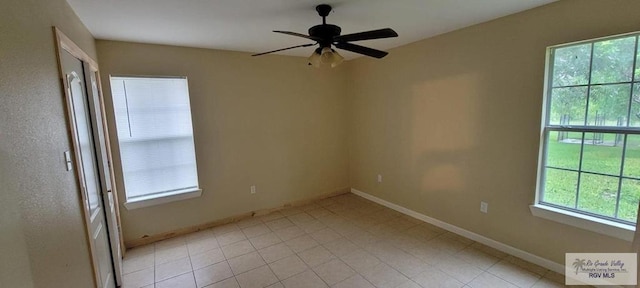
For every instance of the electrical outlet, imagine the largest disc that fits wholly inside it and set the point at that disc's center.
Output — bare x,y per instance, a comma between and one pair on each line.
484,207
253,189
379,178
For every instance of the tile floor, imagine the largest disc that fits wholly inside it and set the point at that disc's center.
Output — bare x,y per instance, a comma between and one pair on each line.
344,241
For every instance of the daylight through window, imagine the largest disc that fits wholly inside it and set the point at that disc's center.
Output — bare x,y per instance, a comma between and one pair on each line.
153,120
591,150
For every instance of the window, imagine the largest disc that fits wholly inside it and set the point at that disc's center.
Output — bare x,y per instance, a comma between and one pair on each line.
153,120
591,147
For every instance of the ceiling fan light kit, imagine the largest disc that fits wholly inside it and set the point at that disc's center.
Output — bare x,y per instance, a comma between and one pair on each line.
325,57
328,35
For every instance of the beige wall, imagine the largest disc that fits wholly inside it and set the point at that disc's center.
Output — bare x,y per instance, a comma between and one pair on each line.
454,120
43,238
269,121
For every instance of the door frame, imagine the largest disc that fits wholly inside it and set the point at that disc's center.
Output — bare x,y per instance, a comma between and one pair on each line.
64,43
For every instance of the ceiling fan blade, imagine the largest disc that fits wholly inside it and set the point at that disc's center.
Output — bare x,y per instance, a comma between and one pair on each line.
297,34
367,35
297,46
361,50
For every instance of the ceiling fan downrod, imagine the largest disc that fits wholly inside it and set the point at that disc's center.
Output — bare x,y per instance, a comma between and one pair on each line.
323,11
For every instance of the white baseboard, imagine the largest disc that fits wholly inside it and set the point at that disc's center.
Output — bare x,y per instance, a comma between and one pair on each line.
553,266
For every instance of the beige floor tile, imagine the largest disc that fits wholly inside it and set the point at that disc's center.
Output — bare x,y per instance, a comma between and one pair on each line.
309,206
257,278
489,250
170,243
408,265
429,255
312,226
307,279
139,278
207,258
246,262
275,252
405,242
231,237
172,268
203,234
382,275
316,256
478,258
256,230
227,283
340,247
345,228
202,245
436,278
402,223
137,263
300,218
237,249
554,276
527,265
319,213
265,240
287,267
459,269
170,253
383,250
328,243
333,271
212,274
514,274
140,251
363,239
301,243
488,280
182,281
355,281
447,245
289,233
409,284
325,235
360,260
279,224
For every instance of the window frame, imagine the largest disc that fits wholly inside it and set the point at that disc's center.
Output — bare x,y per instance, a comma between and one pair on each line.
611,226
156,198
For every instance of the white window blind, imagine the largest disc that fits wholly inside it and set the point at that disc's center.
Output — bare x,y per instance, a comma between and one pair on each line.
153,120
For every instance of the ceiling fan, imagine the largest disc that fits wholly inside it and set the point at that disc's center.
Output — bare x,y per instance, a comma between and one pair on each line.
328,35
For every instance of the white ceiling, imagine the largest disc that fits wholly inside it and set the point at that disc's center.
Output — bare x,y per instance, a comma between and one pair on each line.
246,25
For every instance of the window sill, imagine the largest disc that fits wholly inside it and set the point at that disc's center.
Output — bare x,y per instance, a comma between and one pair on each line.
605,227
147,201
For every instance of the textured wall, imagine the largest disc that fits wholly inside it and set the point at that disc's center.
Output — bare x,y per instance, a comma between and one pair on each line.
454,120
270,121
43,240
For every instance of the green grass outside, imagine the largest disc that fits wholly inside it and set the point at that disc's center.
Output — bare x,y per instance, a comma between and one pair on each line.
597,193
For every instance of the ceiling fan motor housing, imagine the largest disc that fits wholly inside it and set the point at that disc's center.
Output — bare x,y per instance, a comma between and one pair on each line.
324,33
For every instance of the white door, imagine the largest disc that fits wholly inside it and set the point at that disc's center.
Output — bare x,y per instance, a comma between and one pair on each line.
104,168
88,172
